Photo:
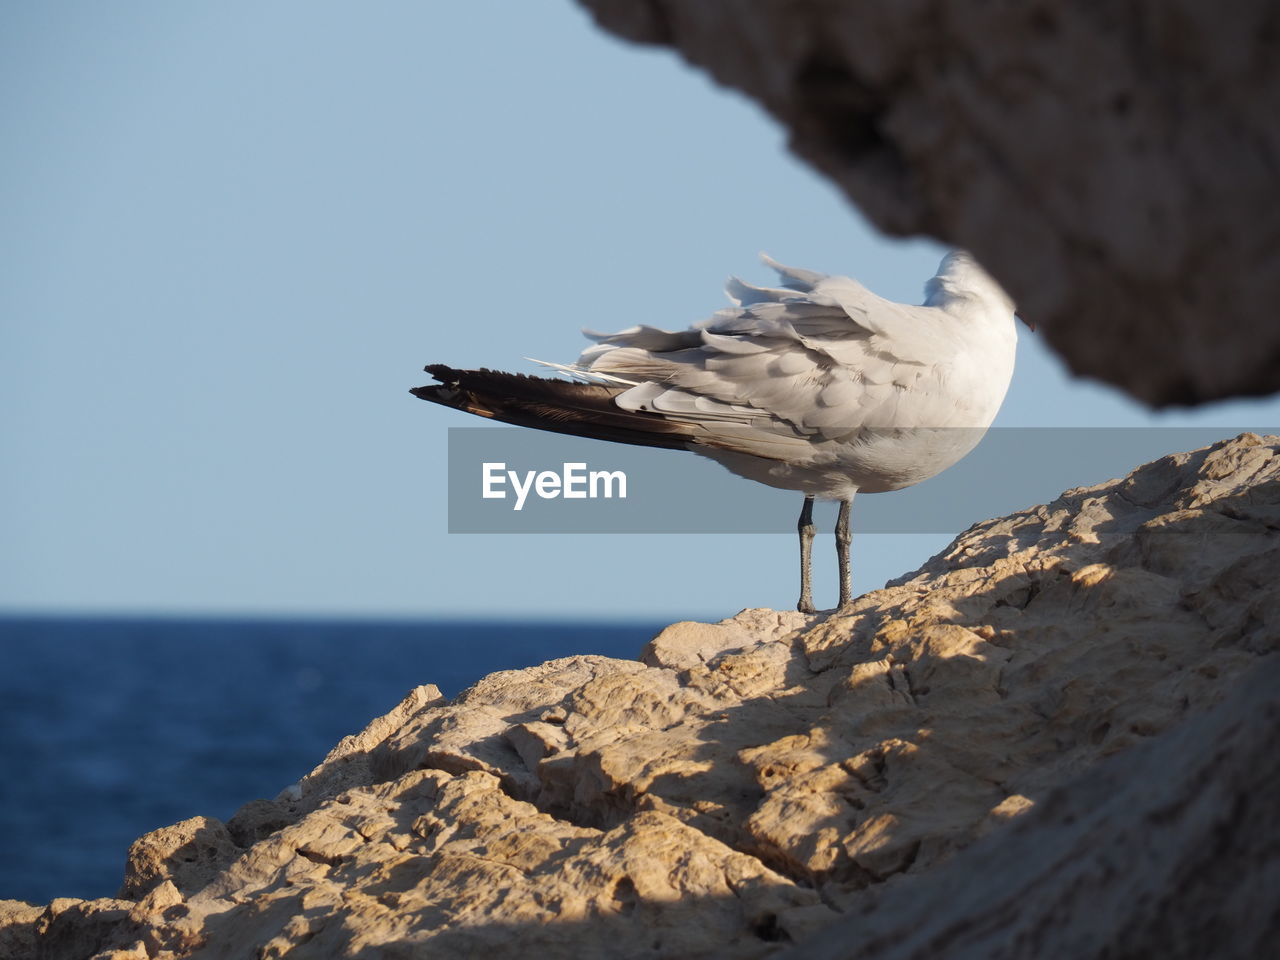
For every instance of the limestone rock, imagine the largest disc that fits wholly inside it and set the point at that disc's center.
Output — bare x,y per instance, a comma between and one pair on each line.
1114,165
18,928
687,645
73,929
257,820
1054,739
348,763
188,854
1168,850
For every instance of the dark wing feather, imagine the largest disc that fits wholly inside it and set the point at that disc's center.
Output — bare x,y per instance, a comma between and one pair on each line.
560,406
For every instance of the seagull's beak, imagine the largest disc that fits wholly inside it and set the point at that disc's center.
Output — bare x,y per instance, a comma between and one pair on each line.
1029,324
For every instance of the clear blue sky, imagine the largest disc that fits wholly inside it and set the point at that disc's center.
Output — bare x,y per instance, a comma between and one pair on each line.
233,234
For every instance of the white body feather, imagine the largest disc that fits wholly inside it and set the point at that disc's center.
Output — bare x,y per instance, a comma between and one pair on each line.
820,385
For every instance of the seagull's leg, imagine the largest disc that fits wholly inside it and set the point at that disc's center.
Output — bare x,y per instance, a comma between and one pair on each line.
805,526
842,553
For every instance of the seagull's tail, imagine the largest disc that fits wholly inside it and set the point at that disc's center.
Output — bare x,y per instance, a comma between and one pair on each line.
561,406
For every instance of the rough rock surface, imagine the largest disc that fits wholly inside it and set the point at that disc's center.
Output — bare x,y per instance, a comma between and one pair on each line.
1116,165
1055,739
1167,850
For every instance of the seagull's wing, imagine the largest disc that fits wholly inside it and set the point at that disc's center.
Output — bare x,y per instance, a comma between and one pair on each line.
819,358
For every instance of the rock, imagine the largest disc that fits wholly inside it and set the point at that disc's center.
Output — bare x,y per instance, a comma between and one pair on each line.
74,929
1054,739
1168,850
348,763
189,854
257,820
1115,168
18,928
687,645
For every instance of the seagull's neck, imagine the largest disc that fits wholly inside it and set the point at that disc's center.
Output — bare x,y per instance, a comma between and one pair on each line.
961,282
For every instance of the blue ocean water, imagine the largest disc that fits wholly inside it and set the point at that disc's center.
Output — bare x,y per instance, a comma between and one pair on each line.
111,728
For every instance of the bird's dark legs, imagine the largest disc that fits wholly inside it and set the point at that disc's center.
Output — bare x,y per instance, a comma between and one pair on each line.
805,527
842,553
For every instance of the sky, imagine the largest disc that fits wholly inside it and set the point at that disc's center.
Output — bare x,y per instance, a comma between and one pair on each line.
234,233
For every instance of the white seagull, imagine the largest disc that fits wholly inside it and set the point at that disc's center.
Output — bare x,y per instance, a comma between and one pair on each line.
817,385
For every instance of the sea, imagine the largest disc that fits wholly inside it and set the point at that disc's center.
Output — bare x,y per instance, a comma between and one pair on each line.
110,728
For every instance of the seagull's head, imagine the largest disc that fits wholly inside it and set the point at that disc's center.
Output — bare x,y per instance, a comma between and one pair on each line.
959,277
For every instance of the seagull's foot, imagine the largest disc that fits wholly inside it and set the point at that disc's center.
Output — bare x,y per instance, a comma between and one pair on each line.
806,605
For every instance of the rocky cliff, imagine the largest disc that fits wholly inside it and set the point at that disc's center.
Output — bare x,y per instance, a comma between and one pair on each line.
1116,165
1054,739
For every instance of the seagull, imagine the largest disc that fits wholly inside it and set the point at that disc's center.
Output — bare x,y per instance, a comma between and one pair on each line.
817,385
